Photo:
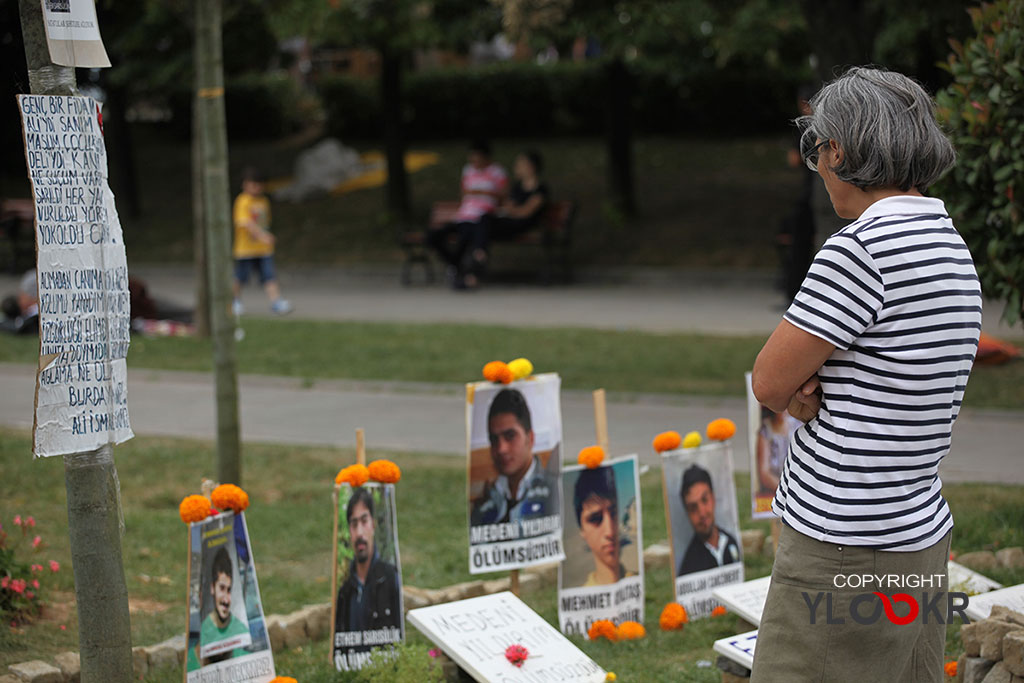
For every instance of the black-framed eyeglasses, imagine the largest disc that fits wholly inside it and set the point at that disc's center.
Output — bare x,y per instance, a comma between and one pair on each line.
811,156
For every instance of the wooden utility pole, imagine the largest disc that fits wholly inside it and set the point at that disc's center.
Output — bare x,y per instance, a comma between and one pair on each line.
213,144
93,492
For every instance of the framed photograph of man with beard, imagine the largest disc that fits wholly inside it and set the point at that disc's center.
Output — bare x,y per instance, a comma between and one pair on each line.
367,609
769,434
227,634
602,574
703,524
514,435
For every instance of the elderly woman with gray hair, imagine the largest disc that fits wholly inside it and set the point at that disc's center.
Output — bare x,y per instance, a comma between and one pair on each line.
873,355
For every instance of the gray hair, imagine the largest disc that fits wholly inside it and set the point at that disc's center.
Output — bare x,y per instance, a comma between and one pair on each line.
884,122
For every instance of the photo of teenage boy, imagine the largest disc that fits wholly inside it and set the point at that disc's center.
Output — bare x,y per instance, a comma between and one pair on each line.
596,505
221,624
523,489
369,599
711,545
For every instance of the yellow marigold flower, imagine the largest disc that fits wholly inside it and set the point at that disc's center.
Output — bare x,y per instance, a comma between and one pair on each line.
521,368
230,497
673,617
384,471
353,475
631,630
591,456
602,628
194,509
666,441
718,611
498,371
721,429
692,440
610,677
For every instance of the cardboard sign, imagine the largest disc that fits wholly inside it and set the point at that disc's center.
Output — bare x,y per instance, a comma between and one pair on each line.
367,592
602,576
82,275
769,434
227,634
745,599
980,606
514,446
476,632
73,34
739,649
703,524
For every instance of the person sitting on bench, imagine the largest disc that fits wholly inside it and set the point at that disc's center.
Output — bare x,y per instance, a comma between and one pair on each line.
484,184
520,213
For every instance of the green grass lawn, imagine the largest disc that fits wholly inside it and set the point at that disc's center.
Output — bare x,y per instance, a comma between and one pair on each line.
290,524
708,203
625,361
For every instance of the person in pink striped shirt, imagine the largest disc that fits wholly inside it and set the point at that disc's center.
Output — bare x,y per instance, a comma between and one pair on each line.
484,185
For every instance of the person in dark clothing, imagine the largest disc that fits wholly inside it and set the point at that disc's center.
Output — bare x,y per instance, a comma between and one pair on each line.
797,234
711,545
21,310
370,598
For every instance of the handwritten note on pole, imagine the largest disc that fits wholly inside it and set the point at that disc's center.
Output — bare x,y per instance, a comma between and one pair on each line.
476,633
84,308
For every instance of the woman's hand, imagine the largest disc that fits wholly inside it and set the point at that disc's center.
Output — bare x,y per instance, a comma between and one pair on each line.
806,402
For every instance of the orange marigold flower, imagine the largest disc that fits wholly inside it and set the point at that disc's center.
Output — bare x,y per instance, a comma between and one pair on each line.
283,679
673,617
631,630
230,497
192,509
667,441
353,475
384,471
498,371
950,669
602,628
721,429
718,611
591,456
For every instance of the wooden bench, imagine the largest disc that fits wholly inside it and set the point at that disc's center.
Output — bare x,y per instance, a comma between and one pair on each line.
552,234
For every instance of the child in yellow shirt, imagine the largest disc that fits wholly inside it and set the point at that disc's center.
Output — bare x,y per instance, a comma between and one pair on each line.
254,245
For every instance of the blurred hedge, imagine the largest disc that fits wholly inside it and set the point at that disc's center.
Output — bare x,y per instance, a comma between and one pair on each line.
523,99
256,106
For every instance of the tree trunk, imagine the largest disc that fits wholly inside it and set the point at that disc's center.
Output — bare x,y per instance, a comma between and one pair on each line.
397,192
217,222
94,515
619,135
119,141
201,318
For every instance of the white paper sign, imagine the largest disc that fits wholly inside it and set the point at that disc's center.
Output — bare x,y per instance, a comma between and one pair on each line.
82,275
964,580
745,599
980,606
476,632
739,649
73,33
602,576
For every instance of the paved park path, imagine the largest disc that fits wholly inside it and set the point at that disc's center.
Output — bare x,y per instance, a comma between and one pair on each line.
430,418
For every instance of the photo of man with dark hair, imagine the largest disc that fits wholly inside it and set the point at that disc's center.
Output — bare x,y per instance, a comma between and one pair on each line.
595,501
221,624
523,488
370,597
711,545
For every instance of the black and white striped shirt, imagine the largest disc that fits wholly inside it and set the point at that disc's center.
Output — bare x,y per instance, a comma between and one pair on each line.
896,291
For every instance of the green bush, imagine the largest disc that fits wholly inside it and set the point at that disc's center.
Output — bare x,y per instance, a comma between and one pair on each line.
528,100
257,106
983,109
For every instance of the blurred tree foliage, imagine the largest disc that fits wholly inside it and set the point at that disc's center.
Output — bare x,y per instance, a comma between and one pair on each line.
983,110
